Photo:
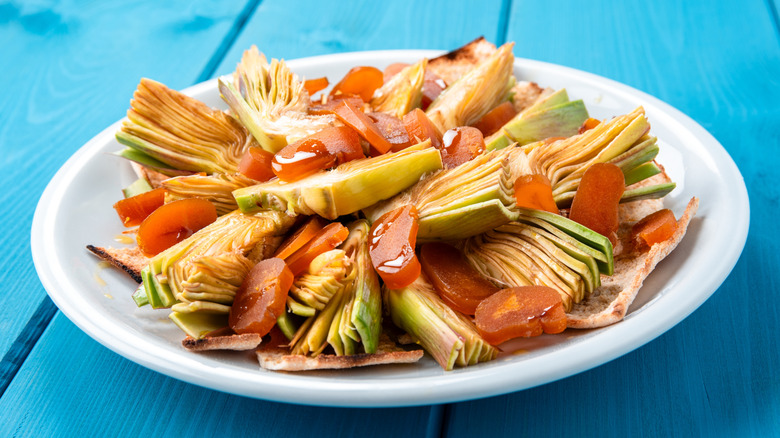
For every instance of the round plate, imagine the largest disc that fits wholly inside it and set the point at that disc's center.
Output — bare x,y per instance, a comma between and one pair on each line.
75,210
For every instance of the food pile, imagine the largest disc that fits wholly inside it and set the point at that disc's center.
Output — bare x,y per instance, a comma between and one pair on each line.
443,205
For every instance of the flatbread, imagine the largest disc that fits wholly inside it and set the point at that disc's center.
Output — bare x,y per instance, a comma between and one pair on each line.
452,65
609,303
278,358
247,341
129,260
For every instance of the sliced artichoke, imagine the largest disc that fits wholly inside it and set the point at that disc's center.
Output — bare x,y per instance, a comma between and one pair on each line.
217,188
477,92
346,189
448,336
365,316
171,130
271,102
328,274
403,92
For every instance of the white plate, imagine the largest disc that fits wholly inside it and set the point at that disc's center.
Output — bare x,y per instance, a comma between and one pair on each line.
75,210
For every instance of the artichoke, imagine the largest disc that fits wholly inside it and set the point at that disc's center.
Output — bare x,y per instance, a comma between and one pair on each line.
403,92
217,188
170,131
271,102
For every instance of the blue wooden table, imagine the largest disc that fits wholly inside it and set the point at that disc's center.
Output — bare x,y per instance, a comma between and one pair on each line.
69,69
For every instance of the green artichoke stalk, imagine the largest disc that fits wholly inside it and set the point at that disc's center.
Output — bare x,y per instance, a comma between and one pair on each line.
270,101
168,130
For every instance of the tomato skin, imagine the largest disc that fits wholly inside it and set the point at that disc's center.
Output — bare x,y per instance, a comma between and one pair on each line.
420,128
460,285
321,109
133,210
304,234
524,311
392,128
654,228
261,298
321,150
172,223
328,238
354,117
256,164
460,145
360,81
391,246
595,204
535,191
588,124
315,85
496,118
433,85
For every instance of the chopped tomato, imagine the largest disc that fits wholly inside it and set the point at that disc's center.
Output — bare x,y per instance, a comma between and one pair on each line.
360,81
328,238
315,85
353,117
460,145
420,128
256,164
303,235
392,128
172,223
261,298
433,85
589,124
597,199
460,285
496,118
654,228
133,210
321,150
391,246
327,105
535,191
520,312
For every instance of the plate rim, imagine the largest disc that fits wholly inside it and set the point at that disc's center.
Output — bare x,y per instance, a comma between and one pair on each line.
338,392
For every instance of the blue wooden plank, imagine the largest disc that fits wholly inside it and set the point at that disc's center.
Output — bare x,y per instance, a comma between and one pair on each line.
70,70
715,373
61,392
316,28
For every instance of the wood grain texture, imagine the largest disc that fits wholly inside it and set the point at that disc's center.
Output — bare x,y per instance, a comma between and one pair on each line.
72,386
714,374
310,28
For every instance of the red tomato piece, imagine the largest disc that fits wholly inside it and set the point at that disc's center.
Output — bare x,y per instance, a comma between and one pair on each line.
588,124
353,117
596,201
360,81
315,85
133,210
392,128
460,285
520,312
535,191
391,246
433,85
256,164
460,145
261,298
303,235
420,128
321,150
172,223
654,228
496,118
328,238
321,109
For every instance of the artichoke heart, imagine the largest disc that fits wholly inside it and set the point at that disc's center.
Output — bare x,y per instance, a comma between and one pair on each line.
270,101
350,187
168,129
475,93
217,188
469,199
403,92
538,249
328,274
449,336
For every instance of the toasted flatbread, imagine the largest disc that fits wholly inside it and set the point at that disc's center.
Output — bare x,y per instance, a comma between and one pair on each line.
452,65
129,260
609,303
278,358
243,342
525,93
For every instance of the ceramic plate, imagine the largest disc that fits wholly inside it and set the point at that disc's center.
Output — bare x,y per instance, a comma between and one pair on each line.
75,210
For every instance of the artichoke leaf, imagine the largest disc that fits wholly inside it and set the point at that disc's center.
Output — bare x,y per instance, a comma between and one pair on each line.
217,188
403,92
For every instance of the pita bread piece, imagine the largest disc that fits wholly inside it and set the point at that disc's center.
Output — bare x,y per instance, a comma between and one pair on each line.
609,303
129,260
451,66
278,358
226,341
